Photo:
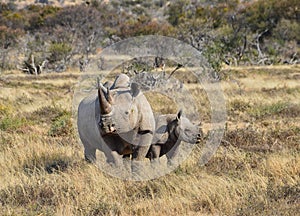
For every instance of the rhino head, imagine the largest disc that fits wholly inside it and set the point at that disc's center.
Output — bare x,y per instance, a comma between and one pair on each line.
119,111
186,131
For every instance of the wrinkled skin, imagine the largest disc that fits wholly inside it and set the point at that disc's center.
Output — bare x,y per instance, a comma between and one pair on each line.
115,122
170,131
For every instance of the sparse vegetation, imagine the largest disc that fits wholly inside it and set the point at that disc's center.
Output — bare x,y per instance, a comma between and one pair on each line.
229,32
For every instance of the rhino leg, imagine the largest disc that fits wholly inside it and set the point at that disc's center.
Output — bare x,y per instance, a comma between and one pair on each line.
114,158
90,154
172,154
142,149
140,153
109,148
155,152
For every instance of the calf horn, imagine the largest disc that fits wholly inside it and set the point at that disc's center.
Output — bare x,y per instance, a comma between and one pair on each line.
105,106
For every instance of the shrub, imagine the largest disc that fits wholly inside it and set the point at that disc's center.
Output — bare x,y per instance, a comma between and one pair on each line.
61,126
176,11
59,51
9,123
239,105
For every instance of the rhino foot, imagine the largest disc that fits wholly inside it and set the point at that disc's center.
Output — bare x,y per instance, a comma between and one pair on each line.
155,162
89,159
172,163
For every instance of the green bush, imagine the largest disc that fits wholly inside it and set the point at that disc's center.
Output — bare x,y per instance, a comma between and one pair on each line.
9,123
61,125
176,11
59,51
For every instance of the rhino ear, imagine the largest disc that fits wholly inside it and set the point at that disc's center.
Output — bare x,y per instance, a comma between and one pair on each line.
179,114
134,89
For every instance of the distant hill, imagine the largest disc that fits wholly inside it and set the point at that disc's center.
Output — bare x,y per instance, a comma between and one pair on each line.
59,3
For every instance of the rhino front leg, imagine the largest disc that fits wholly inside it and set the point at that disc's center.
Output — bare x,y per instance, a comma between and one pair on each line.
172,155
114,158
145,139
89,154
155,153
139,153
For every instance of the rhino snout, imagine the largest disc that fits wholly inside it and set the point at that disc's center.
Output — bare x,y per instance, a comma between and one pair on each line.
107,126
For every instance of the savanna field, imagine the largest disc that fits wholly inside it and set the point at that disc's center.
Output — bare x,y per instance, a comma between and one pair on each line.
255,171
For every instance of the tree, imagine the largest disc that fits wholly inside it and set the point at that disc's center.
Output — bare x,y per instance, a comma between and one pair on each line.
75,30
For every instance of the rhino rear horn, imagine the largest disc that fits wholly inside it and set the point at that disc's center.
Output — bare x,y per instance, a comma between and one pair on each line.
134,89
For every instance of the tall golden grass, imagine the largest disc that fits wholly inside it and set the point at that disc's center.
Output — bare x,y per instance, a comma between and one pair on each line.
256,170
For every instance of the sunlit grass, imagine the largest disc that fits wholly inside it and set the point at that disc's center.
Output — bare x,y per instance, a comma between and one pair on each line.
254,172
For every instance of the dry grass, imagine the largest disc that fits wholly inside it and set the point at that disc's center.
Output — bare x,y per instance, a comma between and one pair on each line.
256,170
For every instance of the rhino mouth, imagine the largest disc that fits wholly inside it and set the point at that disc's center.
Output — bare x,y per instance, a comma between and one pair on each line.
108,131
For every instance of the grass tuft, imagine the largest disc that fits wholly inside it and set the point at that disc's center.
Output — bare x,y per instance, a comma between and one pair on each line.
11,123
268,110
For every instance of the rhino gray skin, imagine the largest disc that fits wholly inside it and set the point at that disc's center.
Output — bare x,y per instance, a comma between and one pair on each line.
171,129
114,120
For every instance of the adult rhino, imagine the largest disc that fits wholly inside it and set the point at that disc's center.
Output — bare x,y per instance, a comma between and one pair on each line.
171,129
116,120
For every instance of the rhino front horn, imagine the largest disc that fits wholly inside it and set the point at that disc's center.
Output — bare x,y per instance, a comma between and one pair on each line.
105,106
109,96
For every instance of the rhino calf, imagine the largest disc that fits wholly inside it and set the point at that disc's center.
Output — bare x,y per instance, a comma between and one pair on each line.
170,130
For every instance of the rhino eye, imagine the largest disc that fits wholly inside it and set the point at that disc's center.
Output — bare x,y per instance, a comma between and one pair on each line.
126,112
